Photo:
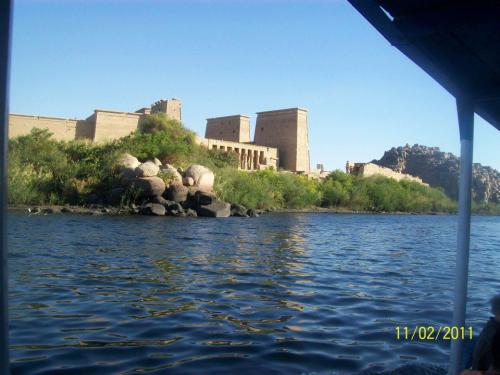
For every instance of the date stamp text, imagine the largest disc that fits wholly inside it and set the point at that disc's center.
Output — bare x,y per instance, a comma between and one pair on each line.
432,333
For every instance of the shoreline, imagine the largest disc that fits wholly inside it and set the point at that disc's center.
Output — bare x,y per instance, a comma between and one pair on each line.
327,210
98,210
67,209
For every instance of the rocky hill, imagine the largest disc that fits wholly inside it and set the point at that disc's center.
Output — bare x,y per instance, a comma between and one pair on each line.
440,169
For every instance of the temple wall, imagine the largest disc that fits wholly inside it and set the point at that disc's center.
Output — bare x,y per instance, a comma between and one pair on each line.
286,130
250,156
85,129
111,125
101,126
229,128
171,107
302,158
62,129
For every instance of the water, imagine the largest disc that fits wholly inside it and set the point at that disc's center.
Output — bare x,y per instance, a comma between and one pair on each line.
283,293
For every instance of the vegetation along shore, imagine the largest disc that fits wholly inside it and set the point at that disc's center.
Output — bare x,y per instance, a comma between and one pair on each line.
45,172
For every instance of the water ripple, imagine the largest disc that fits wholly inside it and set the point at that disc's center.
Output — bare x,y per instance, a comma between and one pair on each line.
284,293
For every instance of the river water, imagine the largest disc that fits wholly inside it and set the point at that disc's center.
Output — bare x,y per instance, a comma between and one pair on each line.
282,293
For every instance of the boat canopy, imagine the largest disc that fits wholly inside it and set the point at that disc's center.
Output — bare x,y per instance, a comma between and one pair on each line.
457,42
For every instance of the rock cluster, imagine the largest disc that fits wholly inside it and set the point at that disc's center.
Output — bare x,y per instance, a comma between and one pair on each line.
186,193
441,169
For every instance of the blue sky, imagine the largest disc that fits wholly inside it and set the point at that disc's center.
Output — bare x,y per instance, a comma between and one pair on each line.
228,57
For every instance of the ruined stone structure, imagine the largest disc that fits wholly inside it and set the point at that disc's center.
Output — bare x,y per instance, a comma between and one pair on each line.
251,156
281,139
281,136
287,130
103,125
172,108
318,173
370,169
229,128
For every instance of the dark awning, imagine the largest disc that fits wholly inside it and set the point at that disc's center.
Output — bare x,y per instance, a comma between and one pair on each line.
457,42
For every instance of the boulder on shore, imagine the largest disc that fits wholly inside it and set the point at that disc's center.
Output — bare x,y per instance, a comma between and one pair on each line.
149,186
238,210
128,161
202,176
147,169
175,209
114,196
188,181
154,209
253,213
174,206
127,175
160,200
203,198
177,192
167,168
215,209
188,203
157,162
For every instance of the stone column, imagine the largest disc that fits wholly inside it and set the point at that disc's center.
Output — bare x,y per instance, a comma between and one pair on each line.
249,160
237,151
243,159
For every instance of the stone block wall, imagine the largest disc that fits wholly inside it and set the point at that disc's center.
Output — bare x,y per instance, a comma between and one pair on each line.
171,107
229,128
286,130
370,169
111,125
103,125
85,129
62,129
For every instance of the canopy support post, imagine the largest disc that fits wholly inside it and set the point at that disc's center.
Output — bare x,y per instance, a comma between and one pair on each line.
465,109
5,34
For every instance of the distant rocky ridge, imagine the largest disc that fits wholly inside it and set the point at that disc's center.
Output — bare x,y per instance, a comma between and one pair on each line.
441,169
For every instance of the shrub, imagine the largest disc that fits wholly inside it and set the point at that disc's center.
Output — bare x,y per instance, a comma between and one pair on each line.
39,171
42,170
161,123
378,193
486,208
248,189
160,145
267,189
212,159
335,194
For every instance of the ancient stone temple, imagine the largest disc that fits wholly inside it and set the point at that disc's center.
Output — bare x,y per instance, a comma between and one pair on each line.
251,156
281,139
229,128
287,130
103,125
